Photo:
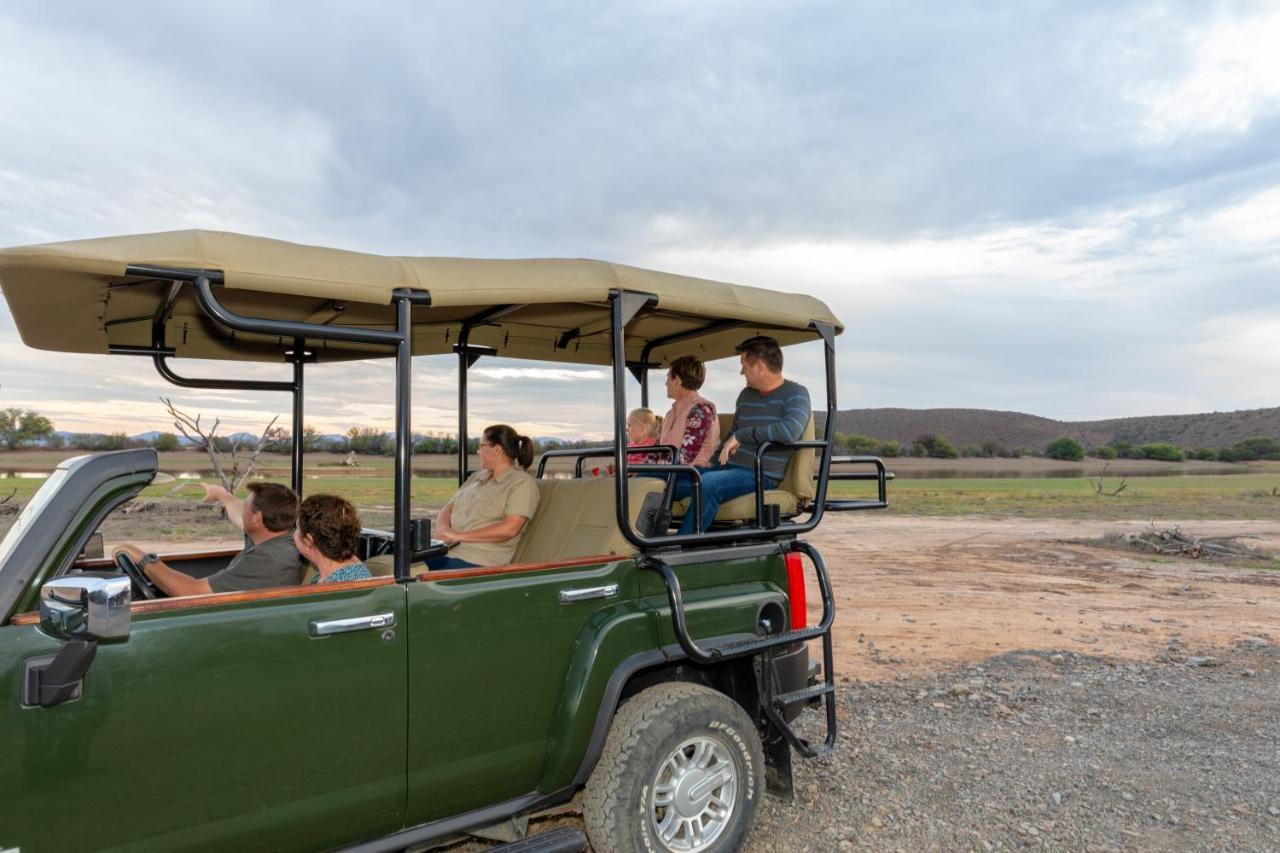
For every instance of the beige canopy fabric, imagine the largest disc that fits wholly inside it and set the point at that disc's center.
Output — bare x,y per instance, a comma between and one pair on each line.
76,297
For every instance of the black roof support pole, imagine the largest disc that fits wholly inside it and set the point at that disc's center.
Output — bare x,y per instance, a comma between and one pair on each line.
623,307
828,333
463,365
404,442
299,358
404,300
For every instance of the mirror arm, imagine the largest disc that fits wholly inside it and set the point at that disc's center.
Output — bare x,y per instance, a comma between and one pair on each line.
61,679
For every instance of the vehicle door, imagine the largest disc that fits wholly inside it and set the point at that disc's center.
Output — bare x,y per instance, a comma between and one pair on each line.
490,657
233,722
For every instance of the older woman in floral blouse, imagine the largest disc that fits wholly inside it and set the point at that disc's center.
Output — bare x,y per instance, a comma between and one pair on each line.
691,425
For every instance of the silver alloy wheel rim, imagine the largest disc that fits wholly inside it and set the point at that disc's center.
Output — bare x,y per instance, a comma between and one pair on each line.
691,799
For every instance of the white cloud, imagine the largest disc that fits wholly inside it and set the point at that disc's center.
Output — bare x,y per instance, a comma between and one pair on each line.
1232,78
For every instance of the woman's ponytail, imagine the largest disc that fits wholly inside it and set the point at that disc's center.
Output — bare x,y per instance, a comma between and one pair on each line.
525,455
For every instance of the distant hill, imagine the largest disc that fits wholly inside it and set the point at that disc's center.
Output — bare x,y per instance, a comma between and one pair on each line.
1016,429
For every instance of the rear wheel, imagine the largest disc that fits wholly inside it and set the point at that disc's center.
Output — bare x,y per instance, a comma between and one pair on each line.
682,772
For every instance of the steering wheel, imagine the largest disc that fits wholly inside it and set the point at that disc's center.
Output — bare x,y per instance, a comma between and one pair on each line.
141,582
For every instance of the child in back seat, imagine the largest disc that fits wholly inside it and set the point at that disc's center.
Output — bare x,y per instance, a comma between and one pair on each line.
642,431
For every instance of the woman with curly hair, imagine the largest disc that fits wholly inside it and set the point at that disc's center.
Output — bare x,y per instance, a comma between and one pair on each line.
327,532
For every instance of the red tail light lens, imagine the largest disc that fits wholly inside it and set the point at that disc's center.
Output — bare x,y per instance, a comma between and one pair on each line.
795,591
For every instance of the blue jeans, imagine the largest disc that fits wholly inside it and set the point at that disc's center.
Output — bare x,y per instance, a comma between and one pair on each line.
444,562
719,484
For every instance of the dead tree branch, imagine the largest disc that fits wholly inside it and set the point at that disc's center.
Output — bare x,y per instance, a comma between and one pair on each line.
206,439
1099,485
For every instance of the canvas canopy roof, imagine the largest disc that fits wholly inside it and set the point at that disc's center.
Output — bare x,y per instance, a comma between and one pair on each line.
76,297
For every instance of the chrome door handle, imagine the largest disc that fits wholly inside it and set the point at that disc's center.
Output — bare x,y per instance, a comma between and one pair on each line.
568,596
360,623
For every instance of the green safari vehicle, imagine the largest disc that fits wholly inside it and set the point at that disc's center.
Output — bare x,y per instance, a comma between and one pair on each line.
647,678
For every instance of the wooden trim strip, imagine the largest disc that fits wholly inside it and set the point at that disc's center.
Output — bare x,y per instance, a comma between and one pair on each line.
109,563
189,602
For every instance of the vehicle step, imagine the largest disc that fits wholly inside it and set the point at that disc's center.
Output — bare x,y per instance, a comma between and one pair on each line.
759,644
564,839
782,700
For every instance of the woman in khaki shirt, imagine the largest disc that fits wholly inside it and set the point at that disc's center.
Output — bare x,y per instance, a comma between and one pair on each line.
484,519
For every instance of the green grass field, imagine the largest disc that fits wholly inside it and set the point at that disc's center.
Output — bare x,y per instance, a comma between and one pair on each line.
1198,497
1231,496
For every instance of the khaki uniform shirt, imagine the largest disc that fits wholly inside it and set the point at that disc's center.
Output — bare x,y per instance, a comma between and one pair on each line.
484,500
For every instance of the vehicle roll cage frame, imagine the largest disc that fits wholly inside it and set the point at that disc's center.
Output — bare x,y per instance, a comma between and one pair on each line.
624,306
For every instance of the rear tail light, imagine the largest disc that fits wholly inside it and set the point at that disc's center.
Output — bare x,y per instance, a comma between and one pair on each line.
795,591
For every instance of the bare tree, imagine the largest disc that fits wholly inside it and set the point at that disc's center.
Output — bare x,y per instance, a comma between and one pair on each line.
1099,485
240,467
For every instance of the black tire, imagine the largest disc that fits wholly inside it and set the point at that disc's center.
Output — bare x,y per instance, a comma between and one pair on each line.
618,808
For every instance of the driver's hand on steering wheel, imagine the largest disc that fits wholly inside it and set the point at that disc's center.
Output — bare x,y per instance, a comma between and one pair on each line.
132,550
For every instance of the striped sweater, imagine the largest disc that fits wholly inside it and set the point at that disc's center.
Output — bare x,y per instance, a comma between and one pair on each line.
780,415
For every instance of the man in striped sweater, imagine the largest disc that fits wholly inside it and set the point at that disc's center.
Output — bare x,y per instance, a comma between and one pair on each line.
770,408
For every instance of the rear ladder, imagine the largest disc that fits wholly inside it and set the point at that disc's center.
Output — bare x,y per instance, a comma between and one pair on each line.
773,704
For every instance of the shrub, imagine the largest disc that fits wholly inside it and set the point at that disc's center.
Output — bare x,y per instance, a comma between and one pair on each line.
370,441
1125,450
889,450
165,442
858,445
1258,447
1104,452
1066,448
933,446
1208,454
992,449
1163,451
112,441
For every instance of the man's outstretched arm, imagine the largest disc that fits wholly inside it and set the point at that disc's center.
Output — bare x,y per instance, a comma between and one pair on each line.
233,506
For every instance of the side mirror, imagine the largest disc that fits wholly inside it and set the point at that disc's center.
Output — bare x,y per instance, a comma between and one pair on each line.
87,606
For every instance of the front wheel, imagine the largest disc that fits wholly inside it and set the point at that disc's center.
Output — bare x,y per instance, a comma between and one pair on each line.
682,772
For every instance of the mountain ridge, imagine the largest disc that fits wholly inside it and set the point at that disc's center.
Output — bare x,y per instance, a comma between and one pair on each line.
1019,429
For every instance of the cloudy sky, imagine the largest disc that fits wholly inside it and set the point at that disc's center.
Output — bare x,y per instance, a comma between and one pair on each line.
1070,209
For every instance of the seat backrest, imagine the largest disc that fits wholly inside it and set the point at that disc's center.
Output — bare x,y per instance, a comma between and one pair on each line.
576,518
798,478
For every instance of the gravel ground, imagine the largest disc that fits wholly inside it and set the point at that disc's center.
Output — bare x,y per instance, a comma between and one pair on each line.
1048,750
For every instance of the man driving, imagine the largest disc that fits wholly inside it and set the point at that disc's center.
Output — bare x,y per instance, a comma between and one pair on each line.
267,517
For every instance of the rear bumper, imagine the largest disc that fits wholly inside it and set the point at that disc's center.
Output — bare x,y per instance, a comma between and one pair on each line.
792,671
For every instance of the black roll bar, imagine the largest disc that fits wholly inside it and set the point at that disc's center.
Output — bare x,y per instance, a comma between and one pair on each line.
880,476
624,306
581,453
401,338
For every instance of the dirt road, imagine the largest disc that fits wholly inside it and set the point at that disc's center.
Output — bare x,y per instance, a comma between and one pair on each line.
918,595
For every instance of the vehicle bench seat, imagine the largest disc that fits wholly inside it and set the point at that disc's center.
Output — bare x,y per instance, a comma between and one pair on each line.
796,488
574,518
577,518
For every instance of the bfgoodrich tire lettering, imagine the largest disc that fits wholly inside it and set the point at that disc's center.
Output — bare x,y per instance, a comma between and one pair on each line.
682,769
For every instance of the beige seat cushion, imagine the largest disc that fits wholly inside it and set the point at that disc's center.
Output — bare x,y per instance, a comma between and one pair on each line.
382,566
576,518
797,484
